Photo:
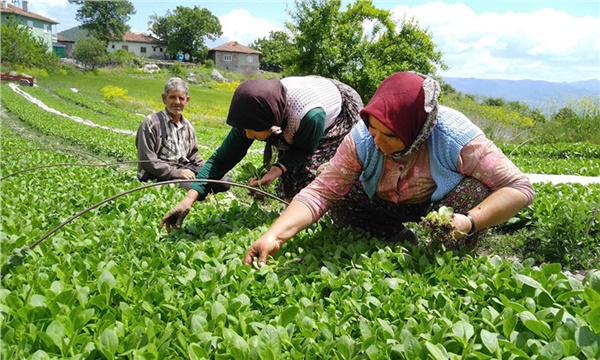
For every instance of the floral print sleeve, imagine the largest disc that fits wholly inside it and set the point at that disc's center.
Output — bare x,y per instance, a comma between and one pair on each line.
335,180
483,160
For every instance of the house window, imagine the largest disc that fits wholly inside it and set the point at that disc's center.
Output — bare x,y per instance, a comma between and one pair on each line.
46,29
227,57
125,47
143,49
30,25
249,59
160,49
113,46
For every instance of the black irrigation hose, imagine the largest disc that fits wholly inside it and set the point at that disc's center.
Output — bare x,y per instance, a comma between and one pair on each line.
54,149
148,186
83,165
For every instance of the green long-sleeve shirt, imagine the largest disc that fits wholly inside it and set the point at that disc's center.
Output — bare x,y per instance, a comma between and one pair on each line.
236,145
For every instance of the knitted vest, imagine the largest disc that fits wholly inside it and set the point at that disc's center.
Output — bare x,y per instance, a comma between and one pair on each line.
305,93
451,133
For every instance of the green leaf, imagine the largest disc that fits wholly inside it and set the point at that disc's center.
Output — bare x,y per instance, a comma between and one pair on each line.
106,282
438,353
196,352
56,331
387,329
109,343
490,340
508,326
217,310
553,350
40,355
591,297
288,315
463,331
236,345
588,342
512,305
593,318
345,347
529,281
38,300
594,280
269,343
82,318
567,295
412,348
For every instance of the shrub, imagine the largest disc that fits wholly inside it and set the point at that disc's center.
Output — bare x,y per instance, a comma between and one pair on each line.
90,52
114,92
177,71
20,48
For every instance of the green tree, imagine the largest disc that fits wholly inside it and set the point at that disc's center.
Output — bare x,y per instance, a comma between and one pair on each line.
336,44
20,47
90,51
185,30
273,50
105,20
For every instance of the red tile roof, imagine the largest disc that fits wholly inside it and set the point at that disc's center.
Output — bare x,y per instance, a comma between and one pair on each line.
61,38
234,46
18,11
141,38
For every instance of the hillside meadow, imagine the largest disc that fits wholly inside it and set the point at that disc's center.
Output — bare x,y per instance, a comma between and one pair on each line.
107,283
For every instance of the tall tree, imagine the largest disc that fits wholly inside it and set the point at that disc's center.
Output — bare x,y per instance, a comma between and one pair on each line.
360,46
273,50
105,20
90,51
185,30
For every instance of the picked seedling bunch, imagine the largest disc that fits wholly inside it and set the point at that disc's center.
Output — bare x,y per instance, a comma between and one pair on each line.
249,171
438,226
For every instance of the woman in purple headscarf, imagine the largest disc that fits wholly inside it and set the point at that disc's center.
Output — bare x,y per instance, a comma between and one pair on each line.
407,157
305,118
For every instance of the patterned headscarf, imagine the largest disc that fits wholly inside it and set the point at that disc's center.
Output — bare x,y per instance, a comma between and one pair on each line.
258,105
406,103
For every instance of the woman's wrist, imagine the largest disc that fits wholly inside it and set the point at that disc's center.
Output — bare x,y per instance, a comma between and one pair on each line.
280,167
473,228
191,196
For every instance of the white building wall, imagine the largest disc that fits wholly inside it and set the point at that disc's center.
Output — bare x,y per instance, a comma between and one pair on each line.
152,50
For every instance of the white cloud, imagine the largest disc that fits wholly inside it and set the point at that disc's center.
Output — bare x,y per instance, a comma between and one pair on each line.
544,45
58,10
241,26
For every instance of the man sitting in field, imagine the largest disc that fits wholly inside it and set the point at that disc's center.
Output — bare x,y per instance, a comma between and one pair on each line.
166,142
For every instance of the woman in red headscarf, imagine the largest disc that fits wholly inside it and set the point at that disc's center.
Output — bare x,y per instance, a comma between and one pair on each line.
304,117
408,156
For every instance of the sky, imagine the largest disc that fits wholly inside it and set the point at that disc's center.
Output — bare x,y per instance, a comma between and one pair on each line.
556,41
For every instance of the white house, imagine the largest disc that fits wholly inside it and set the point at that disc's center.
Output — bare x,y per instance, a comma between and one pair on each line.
140,45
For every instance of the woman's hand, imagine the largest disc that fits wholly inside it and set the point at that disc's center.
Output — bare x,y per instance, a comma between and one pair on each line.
461,224
174,218
265,245
267,178
294,219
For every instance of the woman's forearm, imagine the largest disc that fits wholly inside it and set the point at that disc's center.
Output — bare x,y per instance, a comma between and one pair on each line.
499,207
296,217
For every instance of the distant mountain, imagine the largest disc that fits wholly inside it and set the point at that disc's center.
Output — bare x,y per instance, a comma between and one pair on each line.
73,33
537,94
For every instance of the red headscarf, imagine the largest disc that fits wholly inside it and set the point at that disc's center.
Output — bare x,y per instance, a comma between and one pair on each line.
399,104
